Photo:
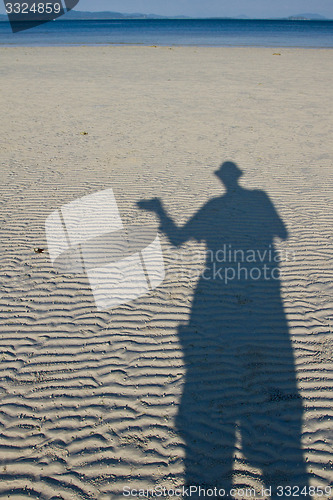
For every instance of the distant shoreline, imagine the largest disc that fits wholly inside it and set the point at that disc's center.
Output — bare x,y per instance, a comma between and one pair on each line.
101,16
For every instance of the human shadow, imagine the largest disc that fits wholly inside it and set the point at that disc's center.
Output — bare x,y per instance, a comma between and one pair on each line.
240,380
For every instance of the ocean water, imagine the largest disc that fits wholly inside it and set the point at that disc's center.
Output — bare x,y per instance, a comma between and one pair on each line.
198,32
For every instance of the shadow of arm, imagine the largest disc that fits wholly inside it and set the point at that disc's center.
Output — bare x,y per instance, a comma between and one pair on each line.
176,235
276,224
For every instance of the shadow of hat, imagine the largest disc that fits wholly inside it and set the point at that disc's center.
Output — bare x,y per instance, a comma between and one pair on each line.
229,171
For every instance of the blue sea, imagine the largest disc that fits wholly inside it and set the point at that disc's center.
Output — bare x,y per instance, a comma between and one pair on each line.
186,32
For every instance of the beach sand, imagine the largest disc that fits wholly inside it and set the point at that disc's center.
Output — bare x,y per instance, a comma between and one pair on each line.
89,399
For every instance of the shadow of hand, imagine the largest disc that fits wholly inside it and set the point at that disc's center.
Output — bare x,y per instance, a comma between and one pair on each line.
153,205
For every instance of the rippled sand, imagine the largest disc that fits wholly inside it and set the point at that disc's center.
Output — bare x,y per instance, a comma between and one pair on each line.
88,399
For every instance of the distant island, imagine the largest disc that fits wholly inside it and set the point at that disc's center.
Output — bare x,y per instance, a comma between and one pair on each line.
85,15
95,16
308,17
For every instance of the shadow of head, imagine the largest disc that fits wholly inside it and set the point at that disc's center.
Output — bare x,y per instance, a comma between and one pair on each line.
229,173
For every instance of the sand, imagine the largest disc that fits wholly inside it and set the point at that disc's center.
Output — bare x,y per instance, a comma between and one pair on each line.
89,400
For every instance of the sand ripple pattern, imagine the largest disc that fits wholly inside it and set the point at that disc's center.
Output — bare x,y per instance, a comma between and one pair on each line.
88,400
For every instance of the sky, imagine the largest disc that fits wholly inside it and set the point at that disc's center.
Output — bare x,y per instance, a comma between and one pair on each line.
215,8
